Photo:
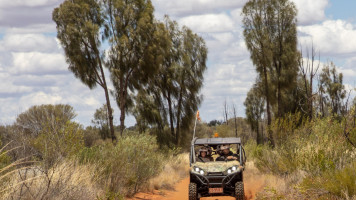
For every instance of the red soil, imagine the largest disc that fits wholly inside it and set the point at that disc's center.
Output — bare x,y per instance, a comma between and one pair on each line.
252,181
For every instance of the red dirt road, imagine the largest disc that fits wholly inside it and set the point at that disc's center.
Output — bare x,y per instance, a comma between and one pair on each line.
253,182
180,193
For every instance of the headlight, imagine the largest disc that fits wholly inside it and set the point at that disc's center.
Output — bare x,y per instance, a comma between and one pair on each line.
198,170
232,169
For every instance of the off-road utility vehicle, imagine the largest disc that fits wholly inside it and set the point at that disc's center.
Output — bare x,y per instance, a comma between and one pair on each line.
216,178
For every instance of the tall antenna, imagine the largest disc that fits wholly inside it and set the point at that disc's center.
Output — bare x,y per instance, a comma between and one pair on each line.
195,124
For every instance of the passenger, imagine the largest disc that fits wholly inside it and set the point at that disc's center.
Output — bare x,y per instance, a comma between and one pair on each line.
204,155
226,154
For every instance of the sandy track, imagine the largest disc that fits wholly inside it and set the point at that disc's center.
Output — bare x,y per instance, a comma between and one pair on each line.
253,181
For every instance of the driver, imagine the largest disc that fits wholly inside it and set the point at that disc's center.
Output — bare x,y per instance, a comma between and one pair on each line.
204,155
226,154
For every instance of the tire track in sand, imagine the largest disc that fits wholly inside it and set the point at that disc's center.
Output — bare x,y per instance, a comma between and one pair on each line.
253,182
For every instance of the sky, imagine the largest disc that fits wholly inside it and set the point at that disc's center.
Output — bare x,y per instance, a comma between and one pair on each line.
33,69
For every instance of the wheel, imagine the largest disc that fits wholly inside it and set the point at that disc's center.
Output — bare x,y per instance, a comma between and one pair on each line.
193,195
239,190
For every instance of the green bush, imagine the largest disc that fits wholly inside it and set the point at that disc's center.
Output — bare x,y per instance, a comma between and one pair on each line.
127,166
316,151
314,147
54,143
341,183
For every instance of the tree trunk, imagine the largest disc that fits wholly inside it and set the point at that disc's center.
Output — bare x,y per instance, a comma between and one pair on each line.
170,113
178,115
235,126
279,99
122,101
269,120
310,98
111,125
122,117
258,137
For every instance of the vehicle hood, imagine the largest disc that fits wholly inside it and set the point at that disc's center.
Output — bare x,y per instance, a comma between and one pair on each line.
218,166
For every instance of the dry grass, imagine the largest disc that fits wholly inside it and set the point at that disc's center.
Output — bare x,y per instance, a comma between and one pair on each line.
66,180
174,170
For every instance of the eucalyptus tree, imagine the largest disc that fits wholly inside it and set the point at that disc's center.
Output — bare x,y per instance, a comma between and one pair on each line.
132,54
331,83
282,25
174,89
117,34
258,43
101,121
270,36
79,30
255,107
190,76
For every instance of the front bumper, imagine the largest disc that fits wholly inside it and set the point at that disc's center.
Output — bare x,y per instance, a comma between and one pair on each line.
216,180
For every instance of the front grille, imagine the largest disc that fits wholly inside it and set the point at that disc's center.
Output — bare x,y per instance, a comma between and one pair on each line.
215,178
215,174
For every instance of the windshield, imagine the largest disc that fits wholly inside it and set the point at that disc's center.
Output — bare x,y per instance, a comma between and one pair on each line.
216,153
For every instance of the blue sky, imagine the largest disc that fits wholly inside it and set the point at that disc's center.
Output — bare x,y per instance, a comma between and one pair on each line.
33,70
342,9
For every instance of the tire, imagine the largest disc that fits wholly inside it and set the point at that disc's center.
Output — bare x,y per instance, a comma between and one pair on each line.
193,195
239,190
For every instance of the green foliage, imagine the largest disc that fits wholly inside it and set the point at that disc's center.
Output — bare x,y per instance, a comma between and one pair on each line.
91,135
315,147
128,165
172,95
255,104
55,143
331,83
36,118
101,121
316,151
270,33
133,51
341,182
79,30
5,160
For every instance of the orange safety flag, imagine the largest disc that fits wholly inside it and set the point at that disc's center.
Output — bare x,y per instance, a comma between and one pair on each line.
198,116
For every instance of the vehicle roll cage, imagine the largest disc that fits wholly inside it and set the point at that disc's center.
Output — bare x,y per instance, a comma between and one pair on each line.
214,142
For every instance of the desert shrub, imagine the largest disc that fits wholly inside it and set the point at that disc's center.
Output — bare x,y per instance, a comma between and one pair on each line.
317,151
64,180
91,136
315,147
128,165
341,183
55,143
36,118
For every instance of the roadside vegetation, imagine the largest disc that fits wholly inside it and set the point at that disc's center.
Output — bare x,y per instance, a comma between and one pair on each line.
300,109
46,155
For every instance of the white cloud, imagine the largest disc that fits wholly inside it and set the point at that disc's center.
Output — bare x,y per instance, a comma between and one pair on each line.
311,11
33,29
331,37
24,13
194,7
208,23
7,88
38,63
39,98
28,43
27,3
229,82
